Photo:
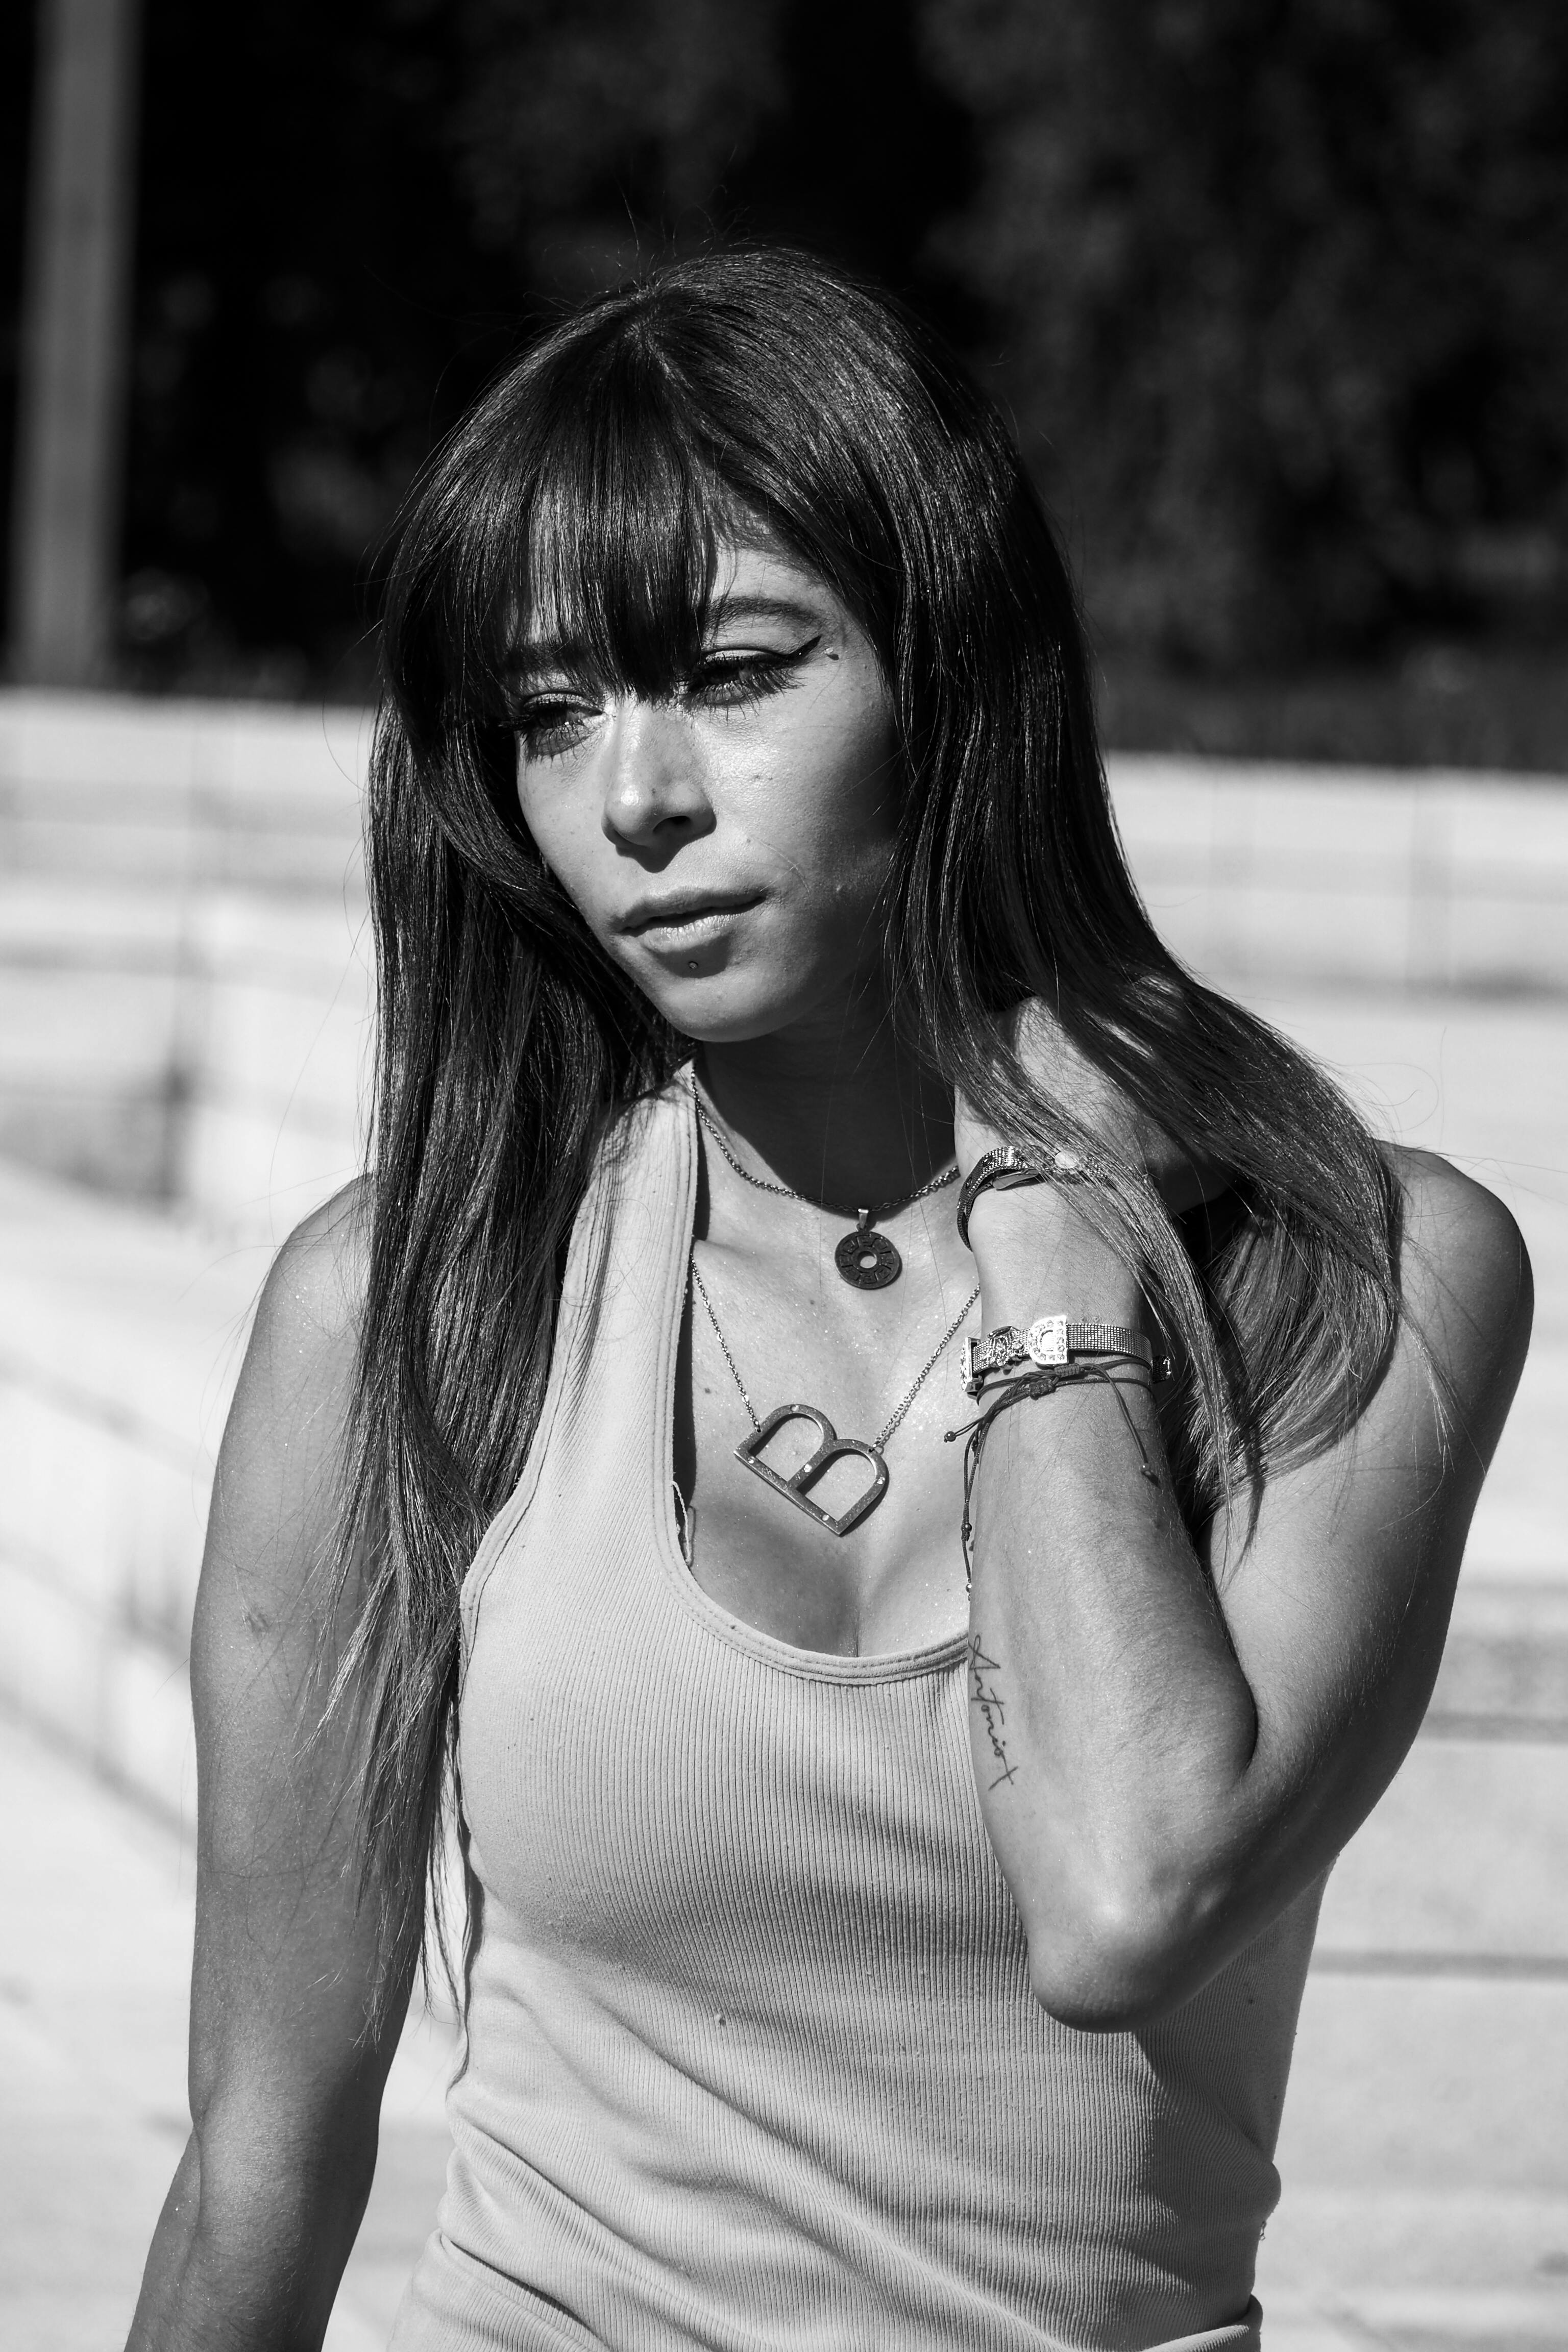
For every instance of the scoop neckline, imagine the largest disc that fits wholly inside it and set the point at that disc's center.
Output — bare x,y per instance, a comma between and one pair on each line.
737,1633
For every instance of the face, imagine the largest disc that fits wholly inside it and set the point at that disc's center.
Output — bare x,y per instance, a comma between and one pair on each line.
727,847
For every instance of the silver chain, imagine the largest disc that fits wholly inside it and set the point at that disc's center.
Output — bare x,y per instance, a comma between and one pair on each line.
786,1193
724,1344
900,1409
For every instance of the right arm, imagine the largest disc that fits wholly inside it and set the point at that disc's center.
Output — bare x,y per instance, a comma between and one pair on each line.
285,2078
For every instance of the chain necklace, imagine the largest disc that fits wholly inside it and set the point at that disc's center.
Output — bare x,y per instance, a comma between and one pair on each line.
866,1260
830,1447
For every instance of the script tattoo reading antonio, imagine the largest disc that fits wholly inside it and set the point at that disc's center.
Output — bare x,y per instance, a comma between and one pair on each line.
992,1710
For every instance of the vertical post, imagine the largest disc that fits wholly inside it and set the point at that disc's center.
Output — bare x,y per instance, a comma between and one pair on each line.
71,424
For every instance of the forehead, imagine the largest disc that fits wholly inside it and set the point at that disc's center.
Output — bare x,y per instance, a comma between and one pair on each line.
753,581
762,581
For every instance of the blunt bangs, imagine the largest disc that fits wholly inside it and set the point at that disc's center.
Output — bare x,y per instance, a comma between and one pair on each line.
600,530
588,502
624,526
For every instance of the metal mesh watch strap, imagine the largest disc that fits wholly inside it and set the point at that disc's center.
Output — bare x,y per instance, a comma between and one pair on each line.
1089,1340
1052,1340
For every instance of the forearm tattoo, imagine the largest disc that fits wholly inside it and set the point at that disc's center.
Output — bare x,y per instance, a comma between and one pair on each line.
984,1697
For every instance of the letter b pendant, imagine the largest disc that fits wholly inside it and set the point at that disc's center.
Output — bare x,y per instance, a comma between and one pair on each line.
832,1447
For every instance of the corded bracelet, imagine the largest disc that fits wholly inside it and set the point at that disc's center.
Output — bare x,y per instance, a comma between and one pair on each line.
1042,1381
1006,1167
1051,1339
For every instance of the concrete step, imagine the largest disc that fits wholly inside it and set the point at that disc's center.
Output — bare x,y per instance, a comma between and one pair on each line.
1484,1081
1427,1878
95,1959
1505,1668
207,1048
187,794
122,1340
1414,880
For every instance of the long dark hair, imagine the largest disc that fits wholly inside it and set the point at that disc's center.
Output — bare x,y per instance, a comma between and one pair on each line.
741,390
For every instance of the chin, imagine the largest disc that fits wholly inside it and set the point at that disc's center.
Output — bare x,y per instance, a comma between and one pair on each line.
712,1027
711,1010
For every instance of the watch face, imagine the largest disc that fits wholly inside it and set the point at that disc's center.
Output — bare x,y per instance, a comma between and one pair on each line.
1048,1340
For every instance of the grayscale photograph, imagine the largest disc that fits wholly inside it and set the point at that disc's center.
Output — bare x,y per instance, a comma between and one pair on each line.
784,1176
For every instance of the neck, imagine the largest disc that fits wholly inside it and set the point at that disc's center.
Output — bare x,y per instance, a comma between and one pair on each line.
857,1116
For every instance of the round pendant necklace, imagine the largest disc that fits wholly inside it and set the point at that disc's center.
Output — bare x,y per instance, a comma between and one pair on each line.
830,1446
866,1259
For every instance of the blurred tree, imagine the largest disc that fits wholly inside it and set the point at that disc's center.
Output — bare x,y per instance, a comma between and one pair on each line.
587,125
310,311
69,432
1277,285
596,133
17,27
350,216
1286,294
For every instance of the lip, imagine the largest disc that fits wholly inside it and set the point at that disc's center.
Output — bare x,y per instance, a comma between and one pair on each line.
687,916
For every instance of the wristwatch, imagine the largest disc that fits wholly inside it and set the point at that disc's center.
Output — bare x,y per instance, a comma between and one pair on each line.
1007,1167
1053,1340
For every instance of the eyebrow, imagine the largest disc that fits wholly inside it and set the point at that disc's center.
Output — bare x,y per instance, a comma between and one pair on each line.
767,608
527,660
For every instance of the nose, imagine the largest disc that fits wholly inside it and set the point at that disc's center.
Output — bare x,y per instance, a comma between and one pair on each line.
654,794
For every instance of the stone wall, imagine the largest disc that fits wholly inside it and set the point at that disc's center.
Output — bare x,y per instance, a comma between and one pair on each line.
1368,878
184,973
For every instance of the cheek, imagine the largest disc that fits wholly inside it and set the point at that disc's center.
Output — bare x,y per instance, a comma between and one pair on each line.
526,808
859,834
535,812
869,773
838,796
558,840
839,824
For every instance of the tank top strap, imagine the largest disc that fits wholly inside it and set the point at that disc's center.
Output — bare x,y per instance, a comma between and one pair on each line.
622,1297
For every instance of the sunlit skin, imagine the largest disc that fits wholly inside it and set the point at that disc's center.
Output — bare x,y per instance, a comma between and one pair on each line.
771,777
758,808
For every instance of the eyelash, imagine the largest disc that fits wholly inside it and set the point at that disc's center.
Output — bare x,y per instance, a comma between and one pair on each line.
548,724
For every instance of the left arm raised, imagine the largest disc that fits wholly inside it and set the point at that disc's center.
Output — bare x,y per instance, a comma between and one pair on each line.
1170,1742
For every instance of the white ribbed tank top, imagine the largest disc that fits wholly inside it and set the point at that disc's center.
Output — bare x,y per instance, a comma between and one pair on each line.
752,2060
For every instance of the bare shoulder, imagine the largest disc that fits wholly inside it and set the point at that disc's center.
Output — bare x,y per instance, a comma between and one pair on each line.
276,1496
1465,1274
314,1294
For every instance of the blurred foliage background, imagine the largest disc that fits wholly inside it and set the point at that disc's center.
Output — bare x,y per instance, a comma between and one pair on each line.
1276,294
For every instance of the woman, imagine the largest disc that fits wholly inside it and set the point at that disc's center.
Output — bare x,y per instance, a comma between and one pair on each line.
903,1461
